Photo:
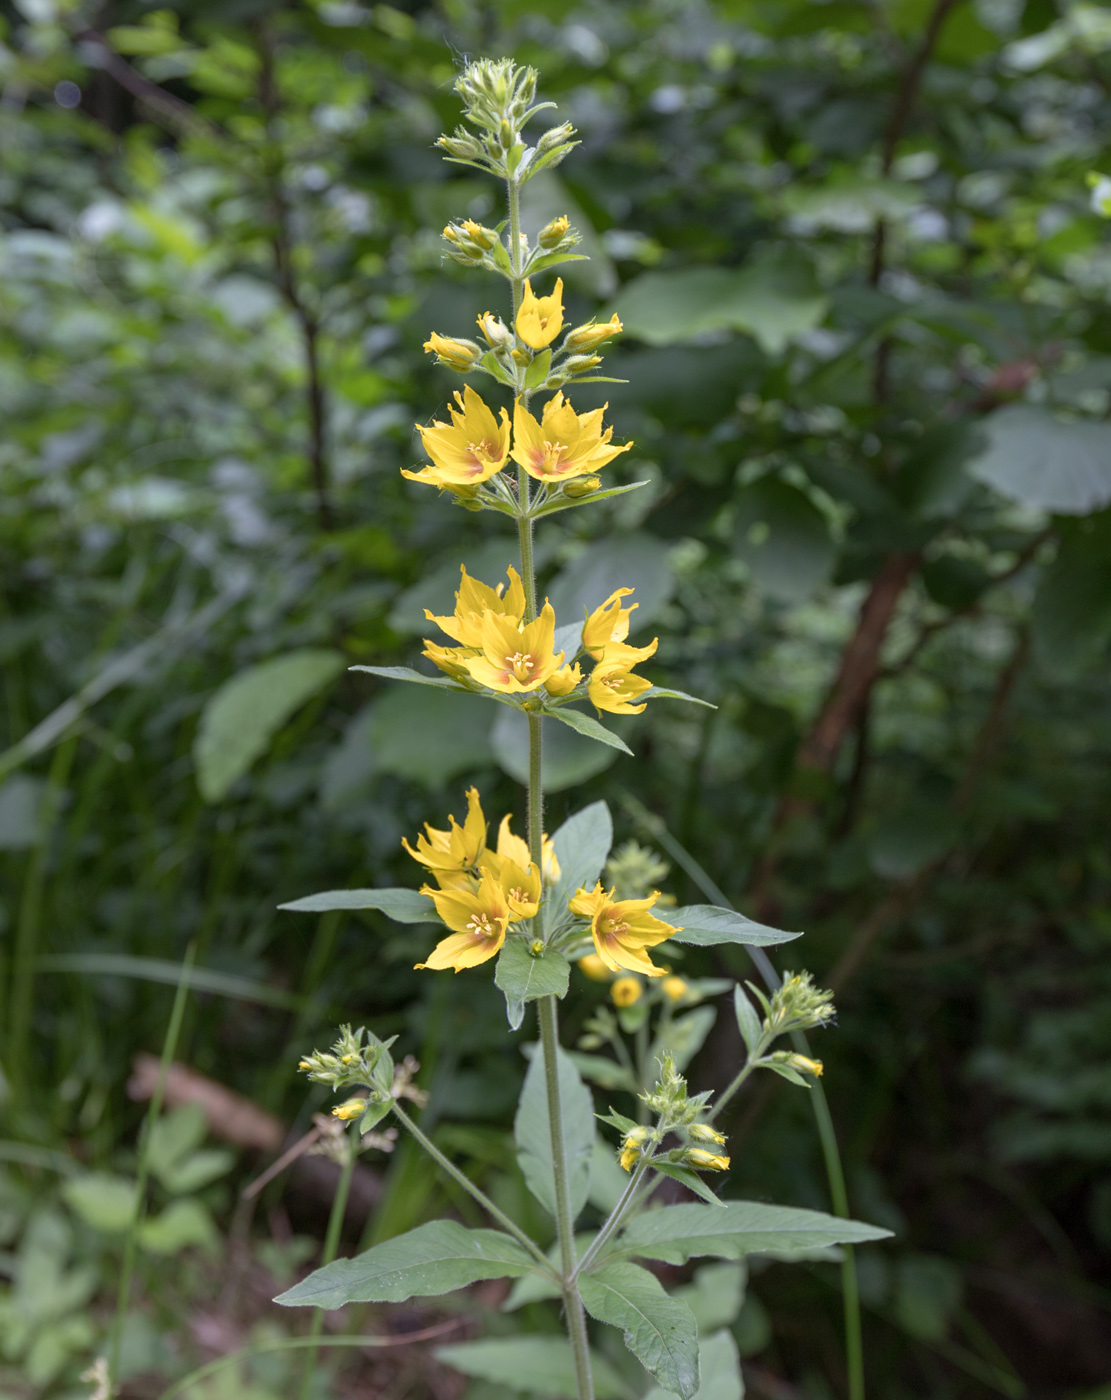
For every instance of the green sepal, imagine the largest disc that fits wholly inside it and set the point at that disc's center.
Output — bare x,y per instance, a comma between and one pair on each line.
524,976
618,1121
493,366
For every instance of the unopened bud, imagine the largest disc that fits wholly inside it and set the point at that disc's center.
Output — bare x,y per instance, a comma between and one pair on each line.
496,333
478,233
506,135
554,137
706,1161
582,486
353,1108
702,1132
590,336
579,364
552,234
461,146
461,355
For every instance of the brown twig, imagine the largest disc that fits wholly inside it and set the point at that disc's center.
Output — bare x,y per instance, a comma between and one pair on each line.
282,244
173,113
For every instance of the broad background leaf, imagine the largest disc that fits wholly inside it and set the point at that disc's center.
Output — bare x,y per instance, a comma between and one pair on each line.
660,1331
533,1136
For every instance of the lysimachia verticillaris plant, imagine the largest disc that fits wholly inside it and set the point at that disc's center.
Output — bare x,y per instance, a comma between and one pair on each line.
538,904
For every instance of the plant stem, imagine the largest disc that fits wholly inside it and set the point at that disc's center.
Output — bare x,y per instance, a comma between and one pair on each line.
615,1217
331,1244
480,1196
169,1046
565,1225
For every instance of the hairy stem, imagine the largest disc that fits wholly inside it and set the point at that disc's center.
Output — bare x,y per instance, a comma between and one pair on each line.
616,1215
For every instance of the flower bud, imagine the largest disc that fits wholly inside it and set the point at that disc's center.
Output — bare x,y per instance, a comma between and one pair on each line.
353,1108
590,336
496,333
705,1161
579,364
478,233
554,137
553,233
461,146
594,967
582,486
461,355
702,1132
625,991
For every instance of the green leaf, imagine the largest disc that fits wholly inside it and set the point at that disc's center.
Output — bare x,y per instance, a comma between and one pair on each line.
567,760
786,1072
720,1368
523,976
424,1263
401,905
197,1170
161,970
105,1202
546,260
705,925
431,734
659,1331
582,846
240,719
1071,617
588,726
532,1133
772,298
748,1023
558,503
537,371
182,1225
661,692
406,673
607,1074
633,561
493,366
715,1297
691,1180
783,538
532,1365
1051,463
675,1234
607,1180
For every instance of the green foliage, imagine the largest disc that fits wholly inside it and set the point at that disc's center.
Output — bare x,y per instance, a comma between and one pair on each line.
659,1331
675,1234
532,1132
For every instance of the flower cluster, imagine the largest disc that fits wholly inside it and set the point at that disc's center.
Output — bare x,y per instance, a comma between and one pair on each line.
676,1112
499,651
482,892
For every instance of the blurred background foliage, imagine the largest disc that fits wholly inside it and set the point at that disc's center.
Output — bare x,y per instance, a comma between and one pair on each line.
868,352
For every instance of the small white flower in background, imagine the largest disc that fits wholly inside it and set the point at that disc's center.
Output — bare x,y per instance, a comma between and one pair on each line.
97,1376
1101,194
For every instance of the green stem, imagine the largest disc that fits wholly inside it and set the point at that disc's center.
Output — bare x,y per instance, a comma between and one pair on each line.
615,1217
331,1245
169,1046
750,1065
480,1196
565,1223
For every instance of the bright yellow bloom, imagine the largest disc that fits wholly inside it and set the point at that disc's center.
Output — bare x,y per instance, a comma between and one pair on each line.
353,1108
706,1161
622,929
702,1132
468,450
449,659
456,354
625,991
617,654
564,680
515,658
594,968
631,1148
608,623
614,689
675,989
521,885
456,849
589,337
479,919
515,848
564,444
540,319
475,598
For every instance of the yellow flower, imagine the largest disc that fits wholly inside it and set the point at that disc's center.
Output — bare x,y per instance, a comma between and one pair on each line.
479,920
622,929
540,319
631,1148
520,885
475,598
564,444
554,232
456,354
468,450
456,849
706,1161
563,681
675,989
608,623
589,337
702,1132
807,1065
353,1108
515,848
593,966
515,658
449,659
625,991
614,689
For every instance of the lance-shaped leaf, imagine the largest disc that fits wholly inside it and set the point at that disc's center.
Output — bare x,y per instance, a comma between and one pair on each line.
588,726
691,1180
660,1331
532,1132
675,1234
523,976
582,846
430,1260
662,692
534,1365
401,905
557,503
720,1368
707,924
406,673
748,1023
